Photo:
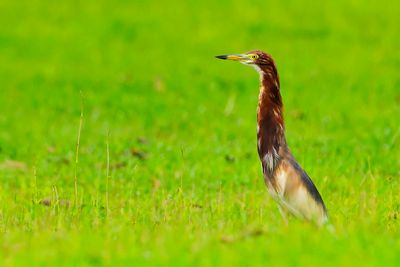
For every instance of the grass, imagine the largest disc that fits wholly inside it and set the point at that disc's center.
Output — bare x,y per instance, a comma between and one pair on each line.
177,129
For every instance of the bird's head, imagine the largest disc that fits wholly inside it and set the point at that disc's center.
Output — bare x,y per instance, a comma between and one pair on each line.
260,60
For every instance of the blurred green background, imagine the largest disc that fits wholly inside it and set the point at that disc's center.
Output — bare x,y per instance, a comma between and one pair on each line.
185,185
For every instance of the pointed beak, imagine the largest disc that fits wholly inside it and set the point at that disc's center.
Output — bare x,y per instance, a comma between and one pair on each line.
237,57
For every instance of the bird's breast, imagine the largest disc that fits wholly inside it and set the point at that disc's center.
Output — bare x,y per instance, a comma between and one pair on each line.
276,183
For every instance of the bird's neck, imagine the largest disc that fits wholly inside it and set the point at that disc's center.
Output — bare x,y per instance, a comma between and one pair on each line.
270,130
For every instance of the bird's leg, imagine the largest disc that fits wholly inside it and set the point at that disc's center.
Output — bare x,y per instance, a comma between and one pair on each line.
283,214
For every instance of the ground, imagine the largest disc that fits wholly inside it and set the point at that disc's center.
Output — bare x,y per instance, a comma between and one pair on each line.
184,181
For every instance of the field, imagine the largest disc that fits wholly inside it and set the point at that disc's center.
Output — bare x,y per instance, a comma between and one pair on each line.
167,171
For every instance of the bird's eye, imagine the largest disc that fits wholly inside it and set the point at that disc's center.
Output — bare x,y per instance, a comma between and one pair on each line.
254,57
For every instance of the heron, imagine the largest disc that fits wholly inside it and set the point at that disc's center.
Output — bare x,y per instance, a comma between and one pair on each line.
286,181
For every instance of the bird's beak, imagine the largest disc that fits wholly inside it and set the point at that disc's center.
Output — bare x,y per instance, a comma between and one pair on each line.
237,57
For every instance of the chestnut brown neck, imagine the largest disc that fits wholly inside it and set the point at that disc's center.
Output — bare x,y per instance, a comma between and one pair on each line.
270,130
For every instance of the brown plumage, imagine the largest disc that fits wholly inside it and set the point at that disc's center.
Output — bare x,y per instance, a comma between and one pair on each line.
286,181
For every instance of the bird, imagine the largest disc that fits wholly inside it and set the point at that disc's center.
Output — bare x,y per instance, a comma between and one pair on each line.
286,181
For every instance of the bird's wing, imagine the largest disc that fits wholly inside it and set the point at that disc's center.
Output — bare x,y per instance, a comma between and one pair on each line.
297,193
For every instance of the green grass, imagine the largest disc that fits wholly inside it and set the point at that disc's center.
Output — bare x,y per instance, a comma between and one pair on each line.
147,75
